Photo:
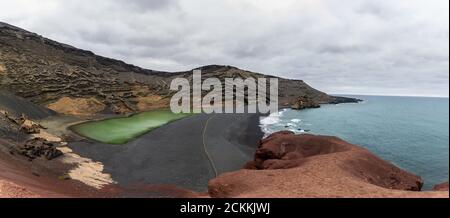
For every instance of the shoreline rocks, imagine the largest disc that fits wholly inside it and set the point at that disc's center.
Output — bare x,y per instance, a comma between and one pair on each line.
343,100
304,102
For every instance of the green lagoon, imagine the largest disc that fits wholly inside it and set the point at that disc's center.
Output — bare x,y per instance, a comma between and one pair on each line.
124,129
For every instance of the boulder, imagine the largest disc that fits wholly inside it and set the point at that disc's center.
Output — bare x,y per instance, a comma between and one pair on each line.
38,147
29,126
304,102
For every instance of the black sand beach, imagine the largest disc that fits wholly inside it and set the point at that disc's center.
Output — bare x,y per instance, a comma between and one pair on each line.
187,153
17,105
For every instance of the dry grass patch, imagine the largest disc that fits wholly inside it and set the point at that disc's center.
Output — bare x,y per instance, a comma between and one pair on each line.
77,106
152,102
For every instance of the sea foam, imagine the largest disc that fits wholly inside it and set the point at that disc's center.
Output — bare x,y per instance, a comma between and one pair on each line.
280,121
272,120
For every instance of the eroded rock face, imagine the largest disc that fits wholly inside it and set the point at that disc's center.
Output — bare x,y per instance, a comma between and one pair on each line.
44,72
286,150
289,165
283,150
304,102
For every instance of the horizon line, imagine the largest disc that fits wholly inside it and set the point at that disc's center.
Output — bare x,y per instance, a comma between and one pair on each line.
393,95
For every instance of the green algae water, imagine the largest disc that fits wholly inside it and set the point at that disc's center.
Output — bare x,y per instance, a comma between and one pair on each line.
122,130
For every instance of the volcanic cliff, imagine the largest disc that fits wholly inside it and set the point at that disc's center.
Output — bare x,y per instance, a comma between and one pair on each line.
78,82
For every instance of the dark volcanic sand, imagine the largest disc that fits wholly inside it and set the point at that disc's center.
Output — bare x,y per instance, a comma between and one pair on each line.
18,105
174,154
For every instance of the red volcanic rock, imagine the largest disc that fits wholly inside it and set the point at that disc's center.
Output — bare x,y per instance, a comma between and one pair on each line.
285,150
12,190
289,165
441,187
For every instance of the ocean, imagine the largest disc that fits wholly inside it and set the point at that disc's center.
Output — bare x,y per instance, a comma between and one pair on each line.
410,132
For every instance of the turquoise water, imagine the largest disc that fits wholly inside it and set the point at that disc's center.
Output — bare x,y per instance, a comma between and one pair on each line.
411,132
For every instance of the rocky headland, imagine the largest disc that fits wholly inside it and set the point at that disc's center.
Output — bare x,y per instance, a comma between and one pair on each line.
308,166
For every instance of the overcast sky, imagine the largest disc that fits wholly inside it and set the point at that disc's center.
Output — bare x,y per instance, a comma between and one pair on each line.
394,47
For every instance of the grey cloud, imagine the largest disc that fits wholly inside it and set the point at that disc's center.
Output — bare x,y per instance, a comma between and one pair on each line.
356,46
145,5
343,49
376,9
249,51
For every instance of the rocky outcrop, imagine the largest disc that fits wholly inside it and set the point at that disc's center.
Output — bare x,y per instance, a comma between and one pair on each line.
289,165
29,126
340,100
21,123
23,129
441,187
285,150
38,147
304,102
